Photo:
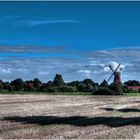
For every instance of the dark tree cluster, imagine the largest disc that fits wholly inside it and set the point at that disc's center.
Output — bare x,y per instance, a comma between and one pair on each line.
132,83
105,89
58,85
132,86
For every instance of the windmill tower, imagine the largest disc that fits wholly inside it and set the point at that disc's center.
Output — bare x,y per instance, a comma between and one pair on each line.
116,73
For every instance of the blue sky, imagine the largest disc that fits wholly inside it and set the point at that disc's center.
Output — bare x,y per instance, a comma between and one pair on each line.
76,39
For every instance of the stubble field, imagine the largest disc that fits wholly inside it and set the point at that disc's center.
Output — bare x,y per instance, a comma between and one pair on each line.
64,117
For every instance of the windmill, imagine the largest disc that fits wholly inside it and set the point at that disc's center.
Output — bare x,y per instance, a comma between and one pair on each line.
116,73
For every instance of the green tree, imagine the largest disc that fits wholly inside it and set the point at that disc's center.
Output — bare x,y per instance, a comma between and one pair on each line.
88,81
117,88
49,84
18,84
104,84
103,91
74,84
132,83
1,86
43,87
82,87
7,86
65,88
89,85
58,80
37,83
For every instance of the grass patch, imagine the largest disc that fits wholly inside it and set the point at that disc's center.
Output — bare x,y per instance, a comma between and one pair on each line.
132,94
43,93
58,93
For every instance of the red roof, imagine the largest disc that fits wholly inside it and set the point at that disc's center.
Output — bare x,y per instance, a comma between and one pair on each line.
134,87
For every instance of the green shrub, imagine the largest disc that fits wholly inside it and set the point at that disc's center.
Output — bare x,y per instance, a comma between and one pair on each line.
103,91
61,89
117,88
67,89
1,86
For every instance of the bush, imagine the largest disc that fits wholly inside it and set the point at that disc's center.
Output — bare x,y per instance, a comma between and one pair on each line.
74,84
60,89
103,91
51,90
104,84
67,89
1,86
82,87
117,88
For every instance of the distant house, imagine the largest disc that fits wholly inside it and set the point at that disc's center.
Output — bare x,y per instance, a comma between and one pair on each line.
134,88
30,85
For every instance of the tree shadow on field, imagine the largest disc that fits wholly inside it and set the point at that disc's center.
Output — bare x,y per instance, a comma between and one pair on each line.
136,101
75,120
122,110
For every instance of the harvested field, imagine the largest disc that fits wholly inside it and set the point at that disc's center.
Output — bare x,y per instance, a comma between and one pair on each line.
62,117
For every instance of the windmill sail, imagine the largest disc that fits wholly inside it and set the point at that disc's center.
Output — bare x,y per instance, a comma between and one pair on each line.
114,72
111,68
110,77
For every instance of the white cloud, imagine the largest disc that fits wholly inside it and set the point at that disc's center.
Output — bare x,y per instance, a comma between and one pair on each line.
106,69
31,49
22,70
5,70
43,22
71,68
43,73
85,72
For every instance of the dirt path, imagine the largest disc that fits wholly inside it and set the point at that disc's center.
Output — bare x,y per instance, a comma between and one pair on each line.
82,117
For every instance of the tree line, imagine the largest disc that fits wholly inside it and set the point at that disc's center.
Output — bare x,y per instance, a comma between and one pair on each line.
58,85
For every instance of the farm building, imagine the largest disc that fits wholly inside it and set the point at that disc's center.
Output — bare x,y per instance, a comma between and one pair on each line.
134,88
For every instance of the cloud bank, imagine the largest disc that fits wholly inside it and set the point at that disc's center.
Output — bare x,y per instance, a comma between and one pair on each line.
27,21
29,62
32,23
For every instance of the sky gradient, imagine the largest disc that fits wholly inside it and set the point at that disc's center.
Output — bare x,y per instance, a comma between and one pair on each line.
75,39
